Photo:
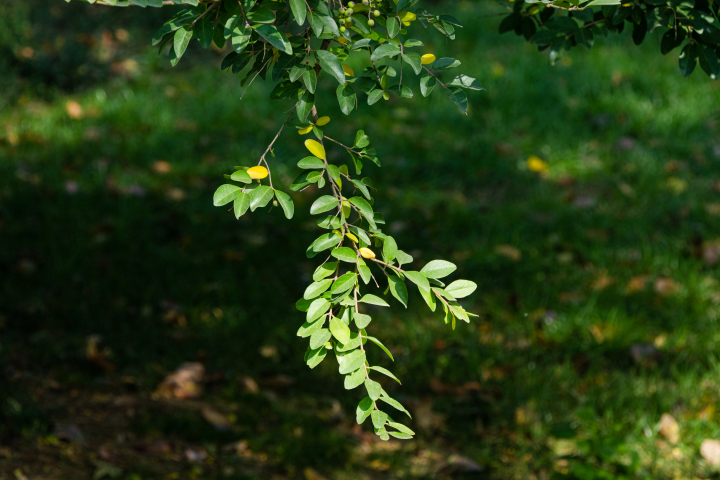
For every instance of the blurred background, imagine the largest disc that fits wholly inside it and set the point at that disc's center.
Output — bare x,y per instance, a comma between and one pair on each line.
145,334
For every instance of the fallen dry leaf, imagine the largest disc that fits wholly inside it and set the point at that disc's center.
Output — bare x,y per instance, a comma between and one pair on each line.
74,110
176,194
183,382
711,250
162,166
427,420
636,284
219,420
669,428
196,454
312,474
710,451
508,251
667,286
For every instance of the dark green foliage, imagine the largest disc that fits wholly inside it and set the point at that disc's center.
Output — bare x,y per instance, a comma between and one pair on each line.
563,24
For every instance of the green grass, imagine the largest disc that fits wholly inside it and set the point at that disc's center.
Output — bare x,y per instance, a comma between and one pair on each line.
632,149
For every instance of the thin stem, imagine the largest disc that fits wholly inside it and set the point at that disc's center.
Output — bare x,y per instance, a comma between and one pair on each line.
253,79
203,14
344,146
277,135
436,77
387,265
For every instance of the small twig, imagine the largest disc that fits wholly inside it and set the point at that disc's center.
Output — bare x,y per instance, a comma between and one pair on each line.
253,79
277,135
203,14
436,77
344,146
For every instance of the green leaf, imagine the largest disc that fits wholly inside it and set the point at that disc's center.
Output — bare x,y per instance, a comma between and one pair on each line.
361,140
324,271
709,61
363,188
241,205
398,289
389,249
181,41
379,344
274,37
316,289
319,338
316,356
373,388
385,50
401,257
241,176
365,209
262,14
326,241
429,297
330,222
364,409
323,204
379,418
352,344
331,64
460,312
401,427
411,42
361,320
286,203
418,279
352,361
310,79
602,2
458,97
393,26
427,84
303,305
355,379
260,197
373,300
385,371
317,309
413,59
465,81
182,18
334,172
688,59
394,403
339,330
345,254
461,288
442,64
204,32
375,96
239,33
344,283
404,5
308,329
346,98
438,269
316,23
400,435
365,273
299,10
225,194
306,101
311,163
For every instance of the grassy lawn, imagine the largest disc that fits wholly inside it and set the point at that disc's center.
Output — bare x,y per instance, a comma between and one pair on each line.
598,293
